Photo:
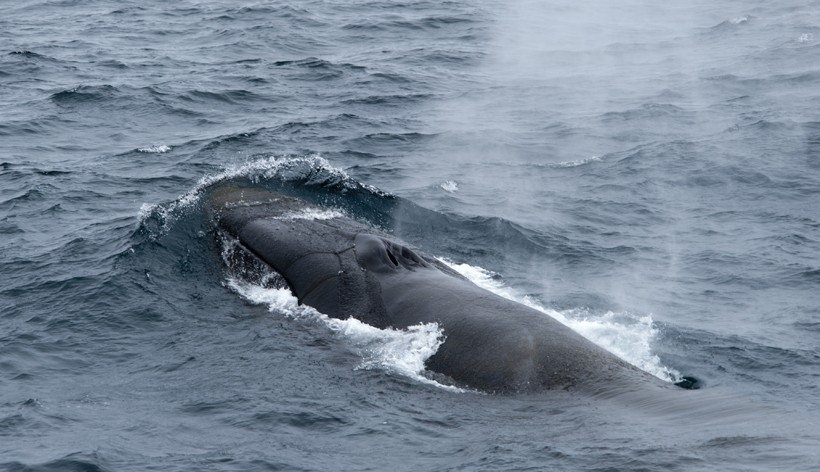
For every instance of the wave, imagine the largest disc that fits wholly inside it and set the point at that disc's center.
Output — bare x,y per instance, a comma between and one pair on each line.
564,164
148,100
85,93
8,228
418,24
31,195
388,100
28,54
731,24
155,149
223,96
645,111
76,462
449,186
315,69
389,140
157,219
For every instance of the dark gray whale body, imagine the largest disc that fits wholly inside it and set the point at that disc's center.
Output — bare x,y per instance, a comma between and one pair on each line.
344,269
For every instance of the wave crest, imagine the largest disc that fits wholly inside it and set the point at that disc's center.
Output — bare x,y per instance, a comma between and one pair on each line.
311,170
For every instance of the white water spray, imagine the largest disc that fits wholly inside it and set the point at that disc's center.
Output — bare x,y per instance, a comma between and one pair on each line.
401,352
625,335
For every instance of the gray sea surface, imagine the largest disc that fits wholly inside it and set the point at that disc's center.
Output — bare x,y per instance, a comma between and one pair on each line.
647,172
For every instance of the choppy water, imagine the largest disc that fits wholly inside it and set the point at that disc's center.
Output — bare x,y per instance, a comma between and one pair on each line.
649,174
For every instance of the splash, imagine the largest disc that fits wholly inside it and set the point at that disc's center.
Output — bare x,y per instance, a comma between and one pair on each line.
159,149
309,168
577,163
449,186
624,334
565,164
400,352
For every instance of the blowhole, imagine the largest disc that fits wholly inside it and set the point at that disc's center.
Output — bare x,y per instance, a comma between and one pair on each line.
392,258
407,254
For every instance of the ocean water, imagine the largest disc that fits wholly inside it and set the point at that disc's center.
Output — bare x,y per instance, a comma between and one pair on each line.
646,172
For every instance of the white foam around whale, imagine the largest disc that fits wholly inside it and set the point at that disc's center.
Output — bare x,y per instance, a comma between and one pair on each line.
404,352
284,168
624,334
401,352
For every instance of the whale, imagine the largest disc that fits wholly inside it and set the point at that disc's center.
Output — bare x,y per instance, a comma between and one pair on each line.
346,268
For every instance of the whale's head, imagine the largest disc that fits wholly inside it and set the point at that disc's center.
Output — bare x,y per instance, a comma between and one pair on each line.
337,265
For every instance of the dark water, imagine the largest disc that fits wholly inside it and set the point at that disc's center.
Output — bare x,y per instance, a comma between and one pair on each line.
648,173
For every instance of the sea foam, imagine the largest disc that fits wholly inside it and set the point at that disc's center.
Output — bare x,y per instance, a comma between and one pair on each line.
402,352
258,170
626,335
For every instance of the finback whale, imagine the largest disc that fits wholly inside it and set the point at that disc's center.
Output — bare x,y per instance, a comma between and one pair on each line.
344,268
